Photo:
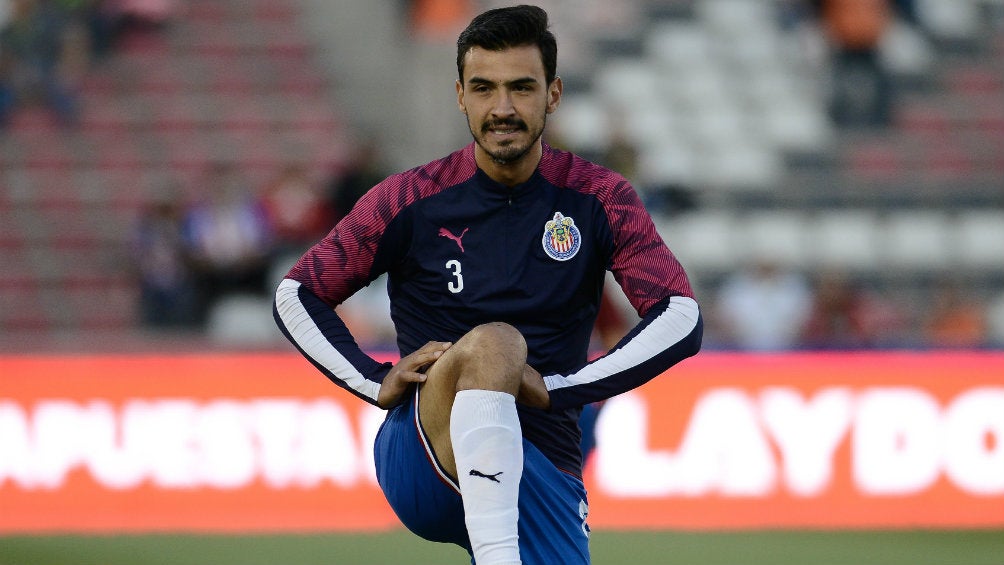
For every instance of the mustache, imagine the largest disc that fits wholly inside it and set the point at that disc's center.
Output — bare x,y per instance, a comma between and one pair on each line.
511,122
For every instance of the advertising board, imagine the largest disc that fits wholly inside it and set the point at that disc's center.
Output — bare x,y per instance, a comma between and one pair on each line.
262,442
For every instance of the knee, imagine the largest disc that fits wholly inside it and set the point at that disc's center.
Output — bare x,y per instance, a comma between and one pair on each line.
494,338
490,356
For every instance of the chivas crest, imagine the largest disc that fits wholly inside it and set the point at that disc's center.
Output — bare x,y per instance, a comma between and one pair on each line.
561,239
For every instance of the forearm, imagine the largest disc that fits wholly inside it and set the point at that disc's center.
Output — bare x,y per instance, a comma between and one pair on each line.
668,334
320,335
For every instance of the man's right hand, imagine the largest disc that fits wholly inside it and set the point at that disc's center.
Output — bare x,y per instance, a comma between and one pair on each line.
409,370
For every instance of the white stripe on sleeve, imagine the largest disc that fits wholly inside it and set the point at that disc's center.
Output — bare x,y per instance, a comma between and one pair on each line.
308,336
669,328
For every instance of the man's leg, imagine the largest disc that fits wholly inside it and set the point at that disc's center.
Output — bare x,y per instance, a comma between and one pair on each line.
553,513
467,408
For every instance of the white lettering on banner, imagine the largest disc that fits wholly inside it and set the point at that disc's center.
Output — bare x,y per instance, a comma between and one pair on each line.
328,449
896,441
626,466
736,443
722,451
15,446
806,433
227,451
974,450
901,441
275,423
176,443
111,463
370,425
53,456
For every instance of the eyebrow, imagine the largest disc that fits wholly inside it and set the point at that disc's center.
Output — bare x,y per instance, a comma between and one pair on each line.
475,80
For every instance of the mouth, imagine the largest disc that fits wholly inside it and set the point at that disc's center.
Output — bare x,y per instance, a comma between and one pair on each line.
504,129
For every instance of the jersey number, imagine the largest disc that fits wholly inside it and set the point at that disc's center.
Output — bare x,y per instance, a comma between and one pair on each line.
457,285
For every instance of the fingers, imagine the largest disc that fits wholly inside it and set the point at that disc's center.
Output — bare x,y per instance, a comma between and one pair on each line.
411,377
439,346
427,354
395,384
409,370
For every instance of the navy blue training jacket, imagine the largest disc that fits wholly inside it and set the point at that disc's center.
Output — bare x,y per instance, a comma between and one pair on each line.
461,250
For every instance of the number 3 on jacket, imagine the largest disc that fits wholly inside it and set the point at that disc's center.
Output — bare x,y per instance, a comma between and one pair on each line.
457,285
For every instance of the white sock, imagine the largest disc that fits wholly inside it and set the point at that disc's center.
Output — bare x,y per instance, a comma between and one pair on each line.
488,449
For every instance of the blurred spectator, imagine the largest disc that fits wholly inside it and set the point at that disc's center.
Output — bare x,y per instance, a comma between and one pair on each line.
367,315
907,10
348,185
295,209
844,316
99,20
44,52
344,188
862,88
167,294
118,20
439,19
995,321
227,238
763,307
612,324
611,321
143,12
954,319
620,155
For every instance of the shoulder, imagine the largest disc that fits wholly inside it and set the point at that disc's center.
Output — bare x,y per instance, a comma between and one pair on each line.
399,191
568,170
432,177
615,194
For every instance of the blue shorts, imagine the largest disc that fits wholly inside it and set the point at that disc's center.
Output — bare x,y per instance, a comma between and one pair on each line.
552,503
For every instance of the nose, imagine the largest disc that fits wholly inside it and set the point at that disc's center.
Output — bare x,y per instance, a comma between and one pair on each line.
503,105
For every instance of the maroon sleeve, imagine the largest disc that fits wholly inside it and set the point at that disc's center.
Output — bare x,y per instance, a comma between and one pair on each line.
342,262
642,263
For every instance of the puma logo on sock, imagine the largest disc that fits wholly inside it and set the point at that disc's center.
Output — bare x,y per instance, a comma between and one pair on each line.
476,473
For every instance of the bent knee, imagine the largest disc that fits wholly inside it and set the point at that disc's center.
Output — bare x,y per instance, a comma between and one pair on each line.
491,357
492,338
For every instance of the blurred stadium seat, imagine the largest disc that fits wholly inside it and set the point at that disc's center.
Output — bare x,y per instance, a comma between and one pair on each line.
723,99
229,79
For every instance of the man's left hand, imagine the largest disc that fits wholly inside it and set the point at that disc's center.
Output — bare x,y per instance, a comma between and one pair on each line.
532,391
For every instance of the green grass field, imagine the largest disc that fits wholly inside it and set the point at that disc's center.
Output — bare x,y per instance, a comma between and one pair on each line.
925,547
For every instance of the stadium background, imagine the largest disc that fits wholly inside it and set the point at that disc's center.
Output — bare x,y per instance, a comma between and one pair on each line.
721,106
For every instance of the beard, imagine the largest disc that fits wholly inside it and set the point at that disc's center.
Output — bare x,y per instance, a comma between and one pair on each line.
509,151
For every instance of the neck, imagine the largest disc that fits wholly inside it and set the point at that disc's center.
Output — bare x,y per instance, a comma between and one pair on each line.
512,173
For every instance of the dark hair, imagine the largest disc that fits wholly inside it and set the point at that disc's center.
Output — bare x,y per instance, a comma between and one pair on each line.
503,28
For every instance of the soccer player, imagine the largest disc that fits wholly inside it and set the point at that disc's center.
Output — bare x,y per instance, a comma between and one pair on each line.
496,257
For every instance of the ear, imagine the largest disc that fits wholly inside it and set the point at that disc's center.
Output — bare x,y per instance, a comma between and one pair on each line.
554,94
460,97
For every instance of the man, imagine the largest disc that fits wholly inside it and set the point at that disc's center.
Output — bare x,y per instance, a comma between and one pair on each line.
496,256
